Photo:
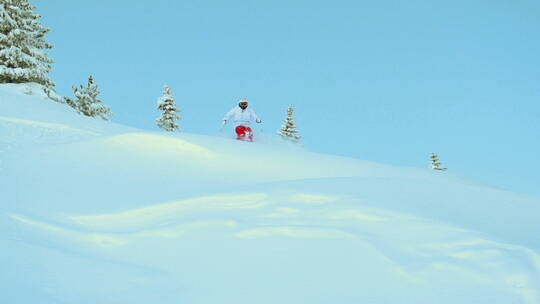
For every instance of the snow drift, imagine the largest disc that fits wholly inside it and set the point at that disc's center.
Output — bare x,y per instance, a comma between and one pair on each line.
95,212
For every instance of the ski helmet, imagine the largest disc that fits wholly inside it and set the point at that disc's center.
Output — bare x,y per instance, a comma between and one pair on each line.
243,102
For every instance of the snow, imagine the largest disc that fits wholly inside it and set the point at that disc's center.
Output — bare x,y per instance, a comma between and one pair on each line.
96,212
45,125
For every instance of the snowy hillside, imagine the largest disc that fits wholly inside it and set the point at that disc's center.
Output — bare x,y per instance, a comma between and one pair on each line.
95,212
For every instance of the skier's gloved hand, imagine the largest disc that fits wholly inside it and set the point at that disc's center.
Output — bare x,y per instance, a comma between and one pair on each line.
224,122
258,121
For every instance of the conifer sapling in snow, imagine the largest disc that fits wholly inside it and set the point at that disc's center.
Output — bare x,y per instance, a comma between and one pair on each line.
87,101
22,45
435,163
288,129
167,120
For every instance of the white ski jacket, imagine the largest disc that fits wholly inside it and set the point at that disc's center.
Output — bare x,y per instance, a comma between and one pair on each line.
241,117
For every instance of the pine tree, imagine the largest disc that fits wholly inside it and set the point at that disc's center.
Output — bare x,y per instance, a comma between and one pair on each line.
87,101
288,129
435,163
168,118
22,45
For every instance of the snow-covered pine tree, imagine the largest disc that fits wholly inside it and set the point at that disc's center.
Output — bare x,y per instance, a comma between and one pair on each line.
167,120
435,163
87,101
288,129
22,45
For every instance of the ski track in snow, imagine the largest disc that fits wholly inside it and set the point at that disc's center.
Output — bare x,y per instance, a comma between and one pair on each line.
47,125
23,133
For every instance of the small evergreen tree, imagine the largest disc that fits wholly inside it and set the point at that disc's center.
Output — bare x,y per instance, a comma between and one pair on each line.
435,163
167,120
87,101
22,45
288,129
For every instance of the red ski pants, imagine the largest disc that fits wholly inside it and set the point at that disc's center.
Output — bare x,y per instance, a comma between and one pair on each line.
241,132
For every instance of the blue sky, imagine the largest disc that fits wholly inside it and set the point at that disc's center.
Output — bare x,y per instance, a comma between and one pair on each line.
386,81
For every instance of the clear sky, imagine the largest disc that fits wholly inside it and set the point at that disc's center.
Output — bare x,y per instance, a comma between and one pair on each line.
386,81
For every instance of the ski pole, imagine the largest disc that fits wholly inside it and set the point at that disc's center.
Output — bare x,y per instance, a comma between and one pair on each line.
222,126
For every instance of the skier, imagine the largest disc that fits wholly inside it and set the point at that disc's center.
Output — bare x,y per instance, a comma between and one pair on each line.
242,117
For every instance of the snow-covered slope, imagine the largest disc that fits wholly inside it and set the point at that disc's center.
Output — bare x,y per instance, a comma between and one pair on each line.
94,212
